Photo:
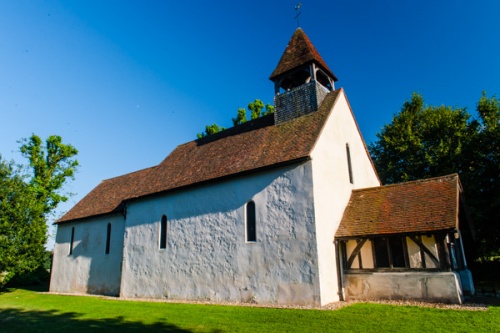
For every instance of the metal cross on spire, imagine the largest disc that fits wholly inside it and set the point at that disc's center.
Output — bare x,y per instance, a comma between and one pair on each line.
297,10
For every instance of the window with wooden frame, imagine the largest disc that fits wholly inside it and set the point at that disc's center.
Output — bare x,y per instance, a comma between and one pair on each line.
390,252
250,223
394,253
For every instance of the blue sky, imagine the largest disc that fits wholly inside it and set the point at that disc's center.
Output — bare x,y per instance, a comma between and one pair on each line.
125,82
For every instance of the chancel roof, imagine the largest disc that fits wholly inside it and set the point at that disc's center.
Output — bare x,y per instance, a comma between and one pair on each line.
249,147
298,52
413,207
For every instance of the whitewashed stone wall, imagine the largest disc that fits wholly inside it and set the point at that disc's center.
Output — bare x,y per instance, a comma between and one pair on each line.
332,187
207,257
88,269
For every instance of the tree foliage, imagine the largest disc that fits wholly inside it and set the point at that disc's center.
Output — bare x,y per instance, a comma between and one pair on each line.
256,110
28,196
209,130
427,141
52,164
421,141
241,117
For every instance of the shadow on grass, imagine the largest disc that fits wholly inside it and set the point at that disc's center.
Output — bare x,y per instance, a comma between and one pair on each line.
19,321
36,288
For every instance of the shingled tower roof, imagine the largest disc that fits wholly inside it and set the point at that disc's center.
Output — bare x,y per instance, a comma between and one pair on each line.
298,52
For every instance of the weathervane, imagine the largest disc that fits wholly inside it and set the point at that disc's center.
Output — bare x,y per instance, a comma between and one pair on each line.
297,8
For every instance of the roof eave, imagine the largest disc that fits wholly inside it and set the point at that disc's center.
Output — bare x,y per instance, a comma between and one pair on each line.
400,234
80,219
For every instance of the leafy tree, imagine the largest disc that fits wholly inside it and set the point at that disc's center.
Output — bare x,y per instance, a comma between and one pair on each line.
482,179
241,117
269,109
209,130
255,108
28,196
427,141
421,141
52,164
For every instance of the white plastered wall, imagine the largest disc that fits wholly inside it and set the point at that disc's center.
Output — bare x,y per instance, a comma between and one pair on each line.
207,257
332,187
88,270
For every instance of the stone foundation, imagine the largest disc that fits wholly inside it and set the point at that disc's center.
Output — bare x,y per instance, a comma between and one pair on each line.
442,287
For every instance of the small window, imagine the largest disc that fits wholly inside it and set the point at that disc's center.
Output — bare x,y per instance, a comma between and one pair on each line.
71,241
251,234
381,253
108,238
349,165
390,252
163,232
397,252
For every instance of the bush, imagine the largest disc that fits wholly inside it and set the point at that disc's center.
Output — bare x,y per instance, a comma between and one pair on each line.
38,277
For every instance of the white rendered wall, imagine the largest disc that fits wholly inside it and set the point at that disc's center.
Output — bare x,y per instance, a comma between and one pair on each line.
207,257
88,269
332,188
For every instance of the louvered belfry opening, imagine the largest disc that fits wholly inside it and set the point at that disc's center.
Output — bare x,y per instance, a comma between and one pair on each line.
301,80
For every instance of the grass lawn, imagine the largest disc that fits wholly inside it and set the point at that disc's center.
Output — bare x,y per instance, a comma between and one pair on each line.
27,311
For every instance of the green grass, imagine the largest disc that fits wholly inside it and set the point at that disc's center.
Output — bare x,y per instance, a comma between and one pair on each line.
28,311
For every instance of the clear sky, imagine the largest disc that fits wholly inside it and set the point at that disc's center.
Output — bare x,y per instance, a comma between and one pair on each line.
125,82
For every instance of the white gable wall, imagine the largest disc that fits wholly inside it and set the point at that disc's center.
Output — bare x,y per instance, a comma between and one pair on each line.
88,269
332,188
207,257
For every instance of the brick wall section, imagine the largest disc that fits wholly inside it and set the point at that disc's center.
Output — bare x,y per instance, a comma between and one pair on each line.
298,102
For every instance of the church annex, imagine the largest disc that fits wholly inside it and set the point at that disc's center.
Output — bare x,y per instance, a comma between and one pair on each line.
282,209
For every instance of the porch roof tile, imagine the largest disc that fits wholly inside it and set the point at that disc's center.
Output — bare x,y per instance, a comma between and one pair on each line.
413,207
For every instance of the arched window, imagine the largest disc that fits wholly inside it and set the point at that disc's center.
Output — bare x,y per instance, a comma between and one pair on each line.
349,165
251,233
108,238
163,232
72,240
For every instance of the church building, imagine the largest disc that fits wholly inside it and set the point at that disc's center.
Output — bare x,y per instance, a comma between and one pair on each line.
283,209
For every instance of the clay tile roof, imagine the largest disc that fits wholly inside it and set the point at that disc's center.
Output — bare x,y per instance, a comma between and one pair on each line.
250,147
299,51
108,196
413,207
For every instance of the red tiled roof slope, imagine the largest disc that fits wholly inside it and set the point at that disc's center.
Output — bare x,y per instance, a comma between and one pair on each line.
108,196
299,51
412,207
252,146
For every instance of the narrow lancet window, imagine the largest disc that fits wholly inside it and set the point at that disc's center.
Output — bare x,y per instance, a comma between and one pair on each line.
251,233
71,241
349,165
163,232
108,238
